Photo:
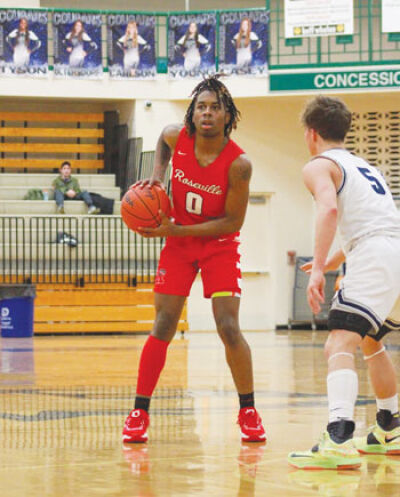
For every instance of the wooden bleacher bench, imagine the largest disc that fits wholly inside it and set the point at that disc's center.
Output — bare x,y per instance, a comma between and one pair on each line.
56,131
96,308
64,308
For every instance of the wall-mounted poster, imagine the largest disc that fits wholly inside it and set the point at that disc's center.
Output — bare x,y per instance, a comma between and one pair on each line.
243,42
191,45
131,46
77,45
23,42
390,16
304,18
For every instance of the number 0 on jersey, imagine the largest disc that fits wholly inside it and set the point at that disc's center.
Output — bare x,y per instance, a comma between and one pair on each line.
194,203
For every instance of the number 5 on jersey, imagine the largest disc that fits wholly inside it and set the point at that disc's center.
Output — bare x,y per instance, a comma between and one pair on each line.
194,203
375,184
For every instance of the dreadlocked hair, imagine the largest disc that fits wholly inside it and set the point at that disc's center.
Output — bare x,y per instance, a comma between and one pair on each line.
213,84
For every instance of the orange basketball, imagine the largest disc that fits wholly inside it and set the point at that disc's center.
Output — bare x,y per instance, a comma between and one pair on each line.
140,206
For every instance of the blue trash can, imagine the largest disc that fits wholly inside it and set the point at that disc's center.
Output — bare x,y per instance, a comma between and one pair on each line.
16,310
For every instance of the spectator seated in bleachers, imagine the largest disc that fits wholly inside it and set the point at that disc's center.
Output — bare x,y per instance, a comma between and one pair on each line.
66,187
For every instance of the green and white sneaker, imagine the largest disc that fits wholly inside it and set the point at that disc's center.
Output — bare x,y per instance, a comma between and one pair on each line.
379,441
327,454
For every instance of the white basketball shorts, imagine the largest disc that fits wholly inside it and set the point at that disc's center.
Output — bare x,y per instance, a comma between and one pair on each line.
371,285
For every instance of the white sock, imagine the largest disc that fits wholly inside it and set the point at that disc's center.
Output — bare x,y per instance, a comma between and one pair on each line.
342,387
391,404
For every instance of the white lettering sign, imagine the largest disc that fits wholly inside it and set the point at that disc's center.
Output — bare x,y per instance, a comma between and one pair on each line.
390,16
304,18
357,79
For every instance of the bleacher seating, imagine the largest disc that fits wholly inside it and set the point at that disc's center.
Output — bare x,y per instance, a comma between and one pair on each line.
75,293
13,187
40,140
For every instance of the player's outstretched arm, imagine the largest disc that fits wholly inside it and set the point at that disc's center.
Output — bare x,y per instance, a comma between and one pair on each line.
333,262
164,149
235,209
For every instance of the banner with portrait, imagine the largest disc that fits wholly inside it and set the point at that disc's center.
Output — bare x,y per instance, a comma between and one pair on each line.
243,42
305,18
131,46
191,45
77,45
23,42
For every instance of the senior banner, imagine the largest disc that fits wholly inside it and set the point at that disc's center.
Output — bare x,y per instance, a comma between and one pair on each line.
131,46
23,42
191,45
304,18
243,42
77,45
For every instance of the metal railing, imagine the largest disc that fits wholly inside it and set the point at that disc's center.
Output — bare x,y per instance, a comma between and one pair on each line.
78,250
367,46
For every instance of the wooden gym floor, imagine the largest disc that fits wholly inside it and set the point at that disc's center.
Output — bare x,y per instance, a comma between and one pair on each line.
63,401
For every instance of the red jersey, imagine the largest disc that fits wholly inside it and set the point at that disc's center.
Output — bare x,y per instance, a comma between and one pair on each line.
199,193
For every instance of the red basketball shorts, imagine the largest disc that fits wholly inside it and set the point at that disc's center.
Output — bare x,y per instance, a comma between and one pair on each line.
217,259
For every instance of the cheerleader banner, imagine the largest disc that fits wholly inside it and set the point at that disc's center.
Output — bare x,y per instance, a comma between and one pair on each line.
23,42
131,46
243,42
191,45
77,45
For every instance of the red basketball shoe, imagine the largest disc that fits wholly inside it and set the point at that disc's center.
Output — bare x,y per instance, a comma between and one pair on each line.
251,428
135,428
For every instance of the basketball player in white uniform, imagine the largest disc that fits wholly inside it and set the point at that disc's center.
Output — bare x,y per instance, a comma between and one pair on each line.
353,196
242,41
190,44
130,43
24,42
75,41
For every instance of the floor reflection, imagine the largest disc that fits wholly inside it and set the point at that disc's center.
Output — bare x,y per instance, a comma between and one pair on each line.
63,401
384,471
249,458
327,483
17,361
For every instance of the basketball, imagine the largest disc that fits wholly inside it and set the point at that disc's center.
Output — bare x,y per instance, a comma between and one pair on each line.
140,206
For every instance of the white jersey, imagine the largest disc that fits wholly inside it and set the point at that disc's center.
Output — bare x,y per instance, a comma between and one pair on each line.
365,204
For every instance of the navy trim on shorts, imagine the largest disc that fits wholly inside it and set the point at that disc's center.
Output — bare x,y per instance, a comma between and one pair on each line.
393,324
359,308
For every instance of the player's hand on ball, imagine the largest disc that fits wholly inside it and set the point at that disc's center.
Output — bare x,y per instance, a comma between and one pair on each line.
148,182
316,291
166,228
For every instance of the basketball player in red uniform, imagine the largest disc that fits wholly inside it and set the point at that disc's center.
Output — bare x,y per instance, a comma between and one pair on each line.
210,190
